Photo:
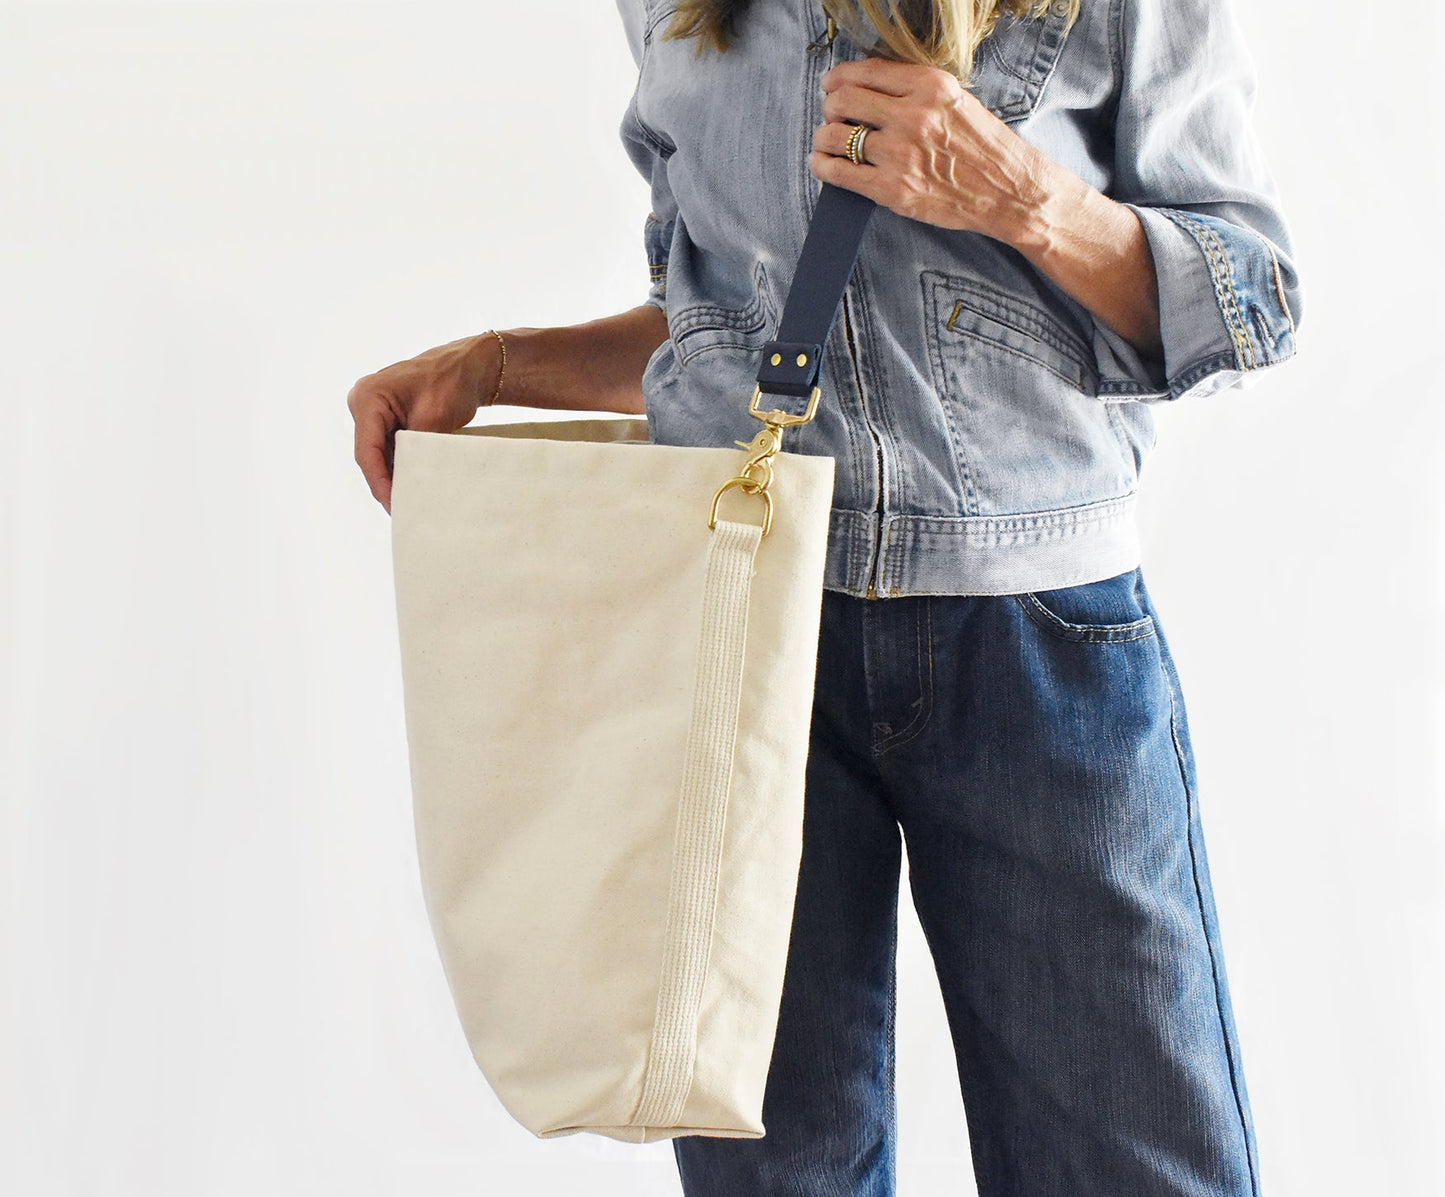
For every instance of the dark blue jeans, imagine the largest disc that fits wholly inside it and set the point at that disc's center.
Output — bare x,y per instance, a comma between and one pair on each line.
1033,749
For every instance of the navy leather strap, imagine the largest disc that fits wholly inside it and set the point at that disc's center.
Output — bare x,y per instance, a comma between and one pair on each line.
829,251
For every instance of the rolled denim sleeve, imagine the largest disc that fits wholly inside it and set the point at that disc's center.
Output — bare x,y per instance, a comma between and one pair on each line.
1189,164
649,153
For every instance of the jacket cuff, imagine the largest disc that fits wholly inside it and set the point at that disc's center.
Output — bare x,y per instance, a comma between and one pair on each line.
1223,316
657,239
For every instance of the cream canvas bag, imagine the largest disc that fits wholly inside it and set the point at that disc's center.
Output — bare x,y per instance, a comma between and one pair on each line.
608,650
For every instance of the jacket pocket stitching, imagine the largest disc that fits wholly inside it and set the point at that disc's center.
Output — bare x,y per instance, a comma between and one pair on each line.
992,43
1042,56
1022,317
1030,326
699,318
692,355
934,342
1075,382
1012,311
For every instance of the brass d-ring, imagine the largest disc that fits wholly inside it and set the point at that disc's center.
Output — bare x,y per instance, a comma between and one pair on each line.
750,487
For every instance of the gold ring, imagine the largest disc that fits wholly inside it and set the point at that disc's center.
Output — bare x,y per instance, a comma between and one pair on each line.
855,145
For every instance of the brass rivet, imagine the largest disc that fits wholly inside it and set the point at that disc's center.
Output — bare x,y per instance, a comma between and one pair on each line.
777,357
802,359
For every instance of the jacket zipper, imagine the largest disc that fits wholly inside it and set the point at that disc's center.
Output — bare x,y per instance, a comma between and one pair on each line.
825,42
877,448
824,39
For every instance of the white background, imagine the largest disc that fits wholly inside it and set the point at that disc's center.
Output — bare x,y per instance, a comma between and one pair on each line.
218,979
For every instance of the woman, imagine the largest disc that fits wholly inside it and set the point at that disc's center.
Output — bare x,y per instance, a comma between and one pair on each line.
1085,229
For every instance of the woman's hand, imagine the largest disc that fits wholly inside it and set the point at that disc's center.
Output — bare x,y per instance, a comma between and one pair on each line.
437,391
593,366
935,153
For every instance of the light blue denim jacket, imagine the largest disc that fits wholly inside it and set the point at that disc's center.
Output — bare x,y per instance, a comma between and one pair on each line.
988,431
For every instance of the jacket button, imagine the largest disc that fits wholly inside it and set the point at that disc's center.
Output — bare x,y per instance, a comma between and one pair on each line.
1060,8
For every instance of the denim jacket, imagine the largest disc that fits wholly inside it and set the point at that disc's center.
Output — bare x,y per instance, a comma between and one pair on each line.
988,432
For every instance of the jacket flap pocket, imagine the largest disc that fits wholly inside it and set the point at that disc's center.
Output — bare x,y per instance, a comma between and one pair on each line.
700,325
1014,63
970,309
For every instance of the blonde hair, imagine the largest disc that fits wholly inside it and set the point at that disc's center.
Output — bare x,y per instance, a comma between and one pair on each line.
940,33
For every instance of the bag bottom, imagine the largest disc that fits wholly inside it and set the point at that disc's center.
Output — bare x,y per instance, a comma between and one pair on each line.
649,1134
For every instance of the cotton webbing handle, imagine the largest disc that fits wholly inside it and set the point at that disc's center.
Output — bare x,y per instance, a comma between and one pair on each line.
701,816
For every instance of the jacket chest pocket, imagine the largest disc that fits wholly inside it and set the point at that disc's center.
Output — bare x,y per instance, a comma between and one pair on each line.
1019,392
1014,63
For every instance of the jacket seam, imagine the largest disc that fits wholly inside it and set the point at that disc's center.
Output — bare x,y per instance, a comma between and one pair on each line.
655,18
1224,293
1115,41
662,146
1245,341
1027,521
934,344
1279,285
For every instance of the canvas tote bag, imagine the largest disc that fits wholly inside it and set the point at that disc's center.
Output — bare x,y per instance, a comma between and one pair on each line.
607,668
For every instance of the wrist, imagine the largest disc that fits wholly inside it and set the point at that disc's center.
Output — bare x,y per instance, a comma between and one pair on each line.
1095,249
1042,224
492,353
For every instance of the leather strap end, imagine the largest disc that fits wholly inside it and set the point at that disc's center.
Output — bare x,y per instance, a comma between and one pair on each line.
788,376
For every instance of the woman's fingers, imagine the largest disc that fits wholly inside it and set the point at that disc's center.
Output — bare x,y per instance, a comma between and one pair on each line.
436,391
832,138
375,424
859,106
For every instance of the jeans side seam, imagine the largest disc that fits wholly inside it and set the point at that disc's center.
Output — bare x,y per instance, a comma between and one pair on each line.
1190,803
891,1114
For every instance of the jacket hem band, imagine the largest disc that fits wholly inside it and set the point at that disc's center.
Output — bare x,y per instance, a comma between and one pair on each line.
1014,554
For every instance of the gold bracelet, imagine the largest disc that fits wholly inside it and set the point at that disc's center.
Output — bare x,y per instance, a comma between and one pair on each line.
503,370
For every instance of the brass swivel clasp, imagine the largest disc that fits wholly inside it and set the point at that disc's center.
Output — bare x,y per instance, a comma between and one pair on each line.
757,473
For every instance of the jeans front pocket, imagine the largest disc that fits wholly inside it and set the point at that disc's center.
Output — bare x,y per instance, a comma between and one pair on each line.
1108,609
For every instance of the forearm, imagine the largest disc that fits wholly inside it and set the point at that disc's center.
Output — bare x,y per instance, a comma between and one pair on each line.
1097,251
593,366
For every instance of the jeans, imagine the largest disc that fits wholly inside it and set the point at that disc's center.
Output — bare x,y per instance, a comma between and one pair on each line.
1033,750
